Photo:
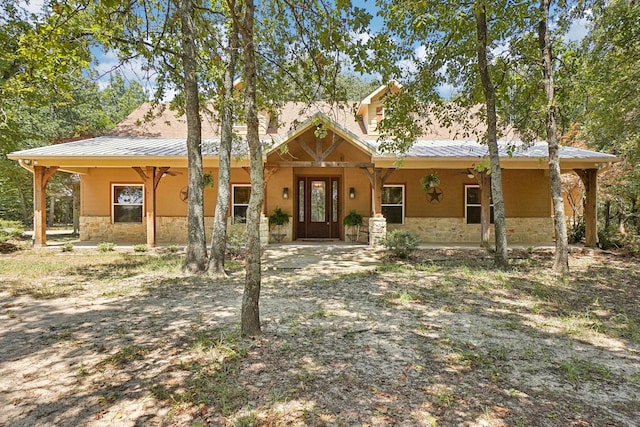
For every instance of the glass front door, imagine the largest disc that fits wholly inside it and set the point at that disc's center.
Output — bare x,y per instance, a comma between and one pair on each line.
318,207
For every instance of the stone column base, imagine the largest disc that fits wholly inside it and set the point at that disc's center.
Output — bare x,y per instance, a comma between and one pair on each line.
264,230
377,230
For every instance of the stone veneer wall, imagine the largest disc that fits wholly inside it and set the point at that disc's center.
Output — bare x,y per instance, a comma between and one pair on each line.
455,230
173,230
169,230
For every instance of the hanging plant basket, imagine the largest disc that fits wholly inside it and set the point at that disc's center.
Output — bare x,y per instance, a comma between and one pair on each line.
430,181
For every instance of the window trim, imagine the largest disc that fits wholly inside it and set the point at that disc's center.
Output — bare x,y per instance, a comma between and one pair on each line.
234,204
467,205
404,201
114,204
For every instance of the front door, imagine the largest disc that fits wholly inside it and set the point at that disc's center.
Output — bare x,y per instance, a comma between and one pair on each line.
318,208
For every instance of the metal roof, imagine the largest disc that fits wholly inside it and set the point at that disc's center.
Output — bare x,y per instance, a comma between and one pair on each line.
117,146
507,148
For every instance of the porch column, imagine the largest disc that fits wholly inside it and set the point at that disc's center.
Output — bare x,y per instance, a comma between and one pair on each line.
377,179
41,176
151,179
485,208
589,178
377,193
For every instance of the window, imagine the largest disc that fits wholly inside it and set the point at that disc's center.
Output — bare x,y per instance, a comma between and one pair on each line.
393,203
472,204
379,114
127,200
240,203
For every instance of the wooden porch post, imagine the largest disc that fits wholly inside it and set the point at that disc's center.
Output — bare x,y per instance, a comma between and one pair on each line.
589,178
377,193
150,206
151,179
485,208
41,176
377,180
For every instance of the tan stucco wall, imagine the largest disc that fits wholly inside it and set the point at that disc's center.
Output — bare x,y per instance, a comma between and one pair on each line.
523,200
96,190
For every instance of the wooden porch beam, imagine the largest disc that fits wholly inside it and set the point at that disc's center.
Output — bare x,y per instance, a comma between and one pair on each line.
41,176
305,164
589,178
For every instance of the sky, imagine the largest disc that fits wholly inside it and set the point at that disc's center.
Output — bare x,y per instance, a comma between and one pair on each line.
108,61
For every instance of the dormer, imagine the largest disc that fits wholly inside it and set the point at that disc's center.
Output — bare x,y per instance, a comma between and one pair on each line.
371,109
265,119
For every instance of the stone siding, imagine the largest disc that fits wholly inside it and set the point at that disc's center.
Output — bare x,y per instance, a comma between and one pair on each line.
455,230
173,230
169,230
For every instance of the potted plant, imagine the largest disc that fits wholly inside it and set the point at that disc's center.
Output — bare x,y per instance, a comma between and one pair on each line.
429,181
278,218
352,221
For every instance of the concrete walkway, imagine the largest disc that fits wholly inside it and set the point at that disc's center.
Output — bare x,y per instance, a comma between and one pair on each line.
325,256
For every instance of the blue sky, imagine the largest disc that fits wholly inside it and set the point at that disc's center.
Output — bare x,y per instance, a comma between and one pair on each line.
108,61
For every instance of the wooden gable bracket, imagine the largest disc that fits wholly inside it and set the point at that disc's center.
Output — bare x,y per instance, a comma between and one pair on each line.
318,155
268,173
377,180
157,176
41,176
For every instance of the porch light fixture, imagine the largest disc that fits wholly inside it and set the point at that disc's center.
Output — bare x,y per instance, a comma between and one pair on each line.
352,193
285,193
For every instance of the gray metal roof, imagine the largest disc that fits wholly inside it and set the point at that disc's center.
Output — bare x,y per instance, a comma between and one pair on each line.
507,148
116,146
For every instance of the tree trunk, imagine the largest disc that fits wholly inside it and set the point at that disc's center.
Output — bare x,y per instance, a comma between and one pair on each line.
52,211
250,318
607,215
561,263
196,259
501,257
219,239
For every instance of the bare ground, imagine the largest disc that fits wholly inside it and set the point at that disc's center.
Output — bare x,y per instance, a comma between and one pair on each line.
441,340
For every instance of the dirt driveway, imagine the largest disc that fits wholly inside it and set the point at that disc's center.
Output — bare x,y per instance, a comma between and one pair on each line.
127,340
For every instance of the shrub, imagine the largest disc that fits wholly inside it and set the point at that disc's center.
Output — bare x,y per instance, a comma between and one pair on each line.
401,243
67,247
140,248
236,241
10,230
173,248
577,232
105,246
609,240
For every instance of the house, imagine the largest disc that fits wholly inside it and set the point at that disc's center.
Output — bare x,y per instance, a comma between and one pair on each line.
320,164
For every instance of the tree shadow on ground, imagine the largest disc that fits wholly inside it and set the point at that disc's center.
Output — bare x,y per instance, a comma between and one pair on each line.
440,343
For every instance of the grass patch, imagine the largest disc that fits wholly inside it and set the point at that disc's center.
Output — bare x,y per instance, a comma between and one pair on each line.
42,291
402,297
213,375
577,371
126,355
